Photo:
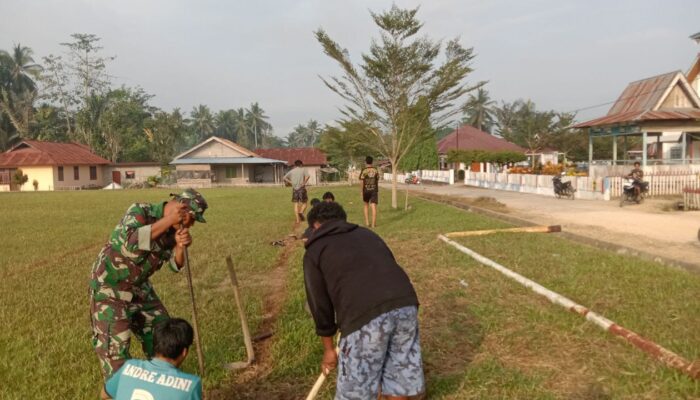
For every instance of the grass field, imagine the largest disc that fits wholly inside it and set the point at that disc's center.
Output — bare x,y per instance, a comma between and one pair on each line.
490,340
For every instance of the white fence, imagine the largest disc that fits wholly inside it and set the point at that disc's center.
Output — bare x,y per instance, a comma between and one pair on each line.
659,185
586,187
447,176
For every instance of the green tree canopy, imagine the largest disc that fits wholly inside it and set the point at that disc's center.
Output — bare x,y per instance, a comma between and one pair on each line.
398,89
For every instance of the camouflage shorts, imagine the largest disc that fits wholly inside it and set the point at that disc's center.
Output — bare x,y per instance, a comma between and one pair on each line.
386,351
113,323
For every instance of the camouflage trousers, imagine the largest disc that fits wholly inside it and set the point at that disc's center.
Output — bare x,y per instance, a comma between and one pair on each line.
384,353
114,321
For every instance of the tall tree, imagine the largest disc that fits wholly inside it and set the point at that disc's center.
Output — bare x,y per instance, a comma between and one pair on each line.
242,128
398,90
18,90
122,121
164,131
478,110
304,135
88,65
257,121
21,68
202,122
345,145
226,124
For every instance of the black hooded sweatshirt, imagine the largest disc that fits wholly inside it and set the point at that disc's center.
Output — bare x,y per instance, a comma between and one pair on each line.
351,277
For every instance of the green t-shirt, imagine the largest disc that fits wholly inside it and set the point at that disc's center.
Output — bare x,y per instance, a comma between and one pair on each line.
297,176
153,380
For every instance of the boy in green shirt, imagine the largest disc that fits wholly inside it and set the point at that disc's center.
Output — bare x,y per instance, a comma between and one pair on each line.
158,378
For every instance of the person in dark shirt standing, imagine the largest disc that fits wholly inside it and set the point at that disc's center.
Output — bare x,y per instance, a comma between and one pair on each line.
353,284
370,190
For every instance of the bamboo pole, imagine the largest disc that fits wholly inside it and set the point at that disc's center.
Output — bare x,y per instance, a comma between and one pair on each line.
526,229
658,352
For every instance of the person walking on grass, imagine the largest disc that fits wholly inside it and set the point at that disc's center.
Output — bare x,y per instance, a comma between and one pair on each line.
122,299
160,377
298,178
353,284
370,190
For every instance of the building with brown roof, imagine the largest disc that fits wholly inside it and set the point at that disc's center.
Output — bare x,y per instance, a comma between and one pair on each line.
313,158
663,110
53,166
470,138
220,162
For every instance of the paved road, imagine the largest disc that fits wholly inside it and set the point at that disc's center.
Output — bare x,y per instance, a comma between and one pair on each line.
647,227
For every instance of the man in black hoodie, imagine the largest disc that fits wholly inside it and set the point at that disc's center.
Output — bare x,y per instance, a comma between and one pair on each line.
353,284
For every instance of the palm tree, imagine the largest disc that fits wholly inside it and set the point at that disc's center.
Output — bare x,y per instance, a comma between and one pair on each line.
257,121
478,110
17,87
202,121
242,128
21,69
226,124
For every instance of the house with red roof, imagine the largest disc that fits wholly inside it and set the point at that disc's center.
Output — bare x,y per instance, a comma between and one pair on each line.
315,161
221,162
53,166
470,138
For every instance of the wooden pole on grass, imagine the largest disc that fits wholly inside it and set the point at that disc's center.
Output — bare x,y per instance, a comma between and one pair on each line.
197,340
527,229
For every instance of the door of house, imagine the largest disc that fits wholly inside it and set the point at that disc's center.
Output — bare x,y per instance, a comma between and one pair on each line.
117,177
476,167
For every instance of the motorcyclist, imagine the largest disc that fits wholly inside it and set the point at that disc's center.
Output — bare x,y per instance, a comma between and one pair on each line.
637,175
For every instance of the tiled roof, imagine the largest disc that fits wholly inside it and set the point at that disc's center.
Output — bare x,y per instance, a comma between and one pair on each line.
470,138
37,153
307,155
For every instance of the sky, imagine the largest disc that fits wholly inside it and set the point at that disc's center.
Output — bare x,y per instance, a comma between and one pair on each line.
562,54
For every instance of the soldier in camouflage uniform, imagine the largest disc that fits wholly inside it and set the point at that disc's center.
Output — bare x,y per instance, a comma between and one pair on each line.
122,299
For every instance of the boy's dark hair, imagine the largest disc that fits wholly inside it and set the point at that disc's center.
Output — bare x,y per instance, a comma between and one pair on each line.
369,160
298,163
172,336
328,195
315,201
324,212
637,163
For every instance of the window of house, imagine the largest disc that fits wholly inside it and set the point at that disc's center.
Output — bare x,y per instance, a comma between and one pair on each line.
676,153
93,173
60,174
231,171
130,174
76,173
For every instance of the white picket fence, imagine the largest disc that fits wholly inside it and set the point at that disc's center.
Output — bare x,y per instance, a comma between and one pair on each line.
659,185
447,176
586,187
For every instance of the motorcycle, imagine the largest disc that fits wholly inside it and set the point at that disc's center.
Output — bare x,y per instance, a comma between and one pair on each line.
629,194
412,179
563,189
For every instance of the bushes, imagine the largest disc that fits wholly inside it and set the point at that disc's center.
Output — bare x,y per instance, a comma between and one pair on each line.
496,157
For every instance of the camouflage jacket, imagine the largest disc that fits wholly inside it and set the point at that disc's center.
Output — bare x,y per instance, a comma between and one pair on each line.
130,257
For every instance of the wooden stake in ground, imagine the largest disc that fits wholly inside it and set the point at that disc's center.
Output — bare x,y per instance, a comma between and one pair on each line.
197,341
244,321
322,376
526,229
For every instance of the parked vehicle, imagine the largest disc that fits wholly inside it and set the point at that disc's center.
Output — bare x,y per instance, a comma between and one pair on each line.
412,179
563,189
629,194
